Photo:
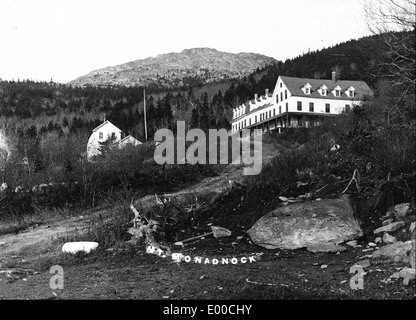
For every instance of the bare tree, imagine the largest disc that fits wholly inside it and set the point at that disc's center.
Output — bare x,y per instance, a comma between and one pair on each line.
395,20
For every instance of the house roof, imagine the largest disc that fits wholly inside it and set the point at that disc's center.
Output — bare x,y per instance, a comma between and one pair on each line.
128,137
295,85
104,124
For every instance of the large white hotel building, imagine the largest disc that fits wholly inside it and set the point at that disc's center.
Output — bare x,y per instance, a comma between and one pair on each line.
299,102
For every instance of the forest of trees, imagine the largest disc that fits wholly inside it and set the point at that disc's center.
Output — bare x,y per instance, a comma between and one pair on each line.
34,109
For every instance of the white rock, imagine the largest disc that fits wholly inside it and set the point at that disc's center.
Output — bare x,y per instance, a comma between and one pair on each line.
401,210
387,238
364,263
386,222
390,227
351,243
396,251
74,247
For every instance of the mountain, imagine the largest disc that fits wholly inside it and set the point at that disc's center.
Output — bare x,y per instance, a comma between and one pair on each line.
191,67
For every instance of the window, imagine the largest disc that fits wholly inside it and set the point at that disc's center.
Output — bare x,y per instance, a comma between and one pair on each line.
327,108
245,123
277,98
351,93
280,84
100,135
299,105
337,93
274,112
113,135
255,118
347,107
261,116
281,96
323,92
280,109
249,122
285,94
270,113
311,107
307,91
287,107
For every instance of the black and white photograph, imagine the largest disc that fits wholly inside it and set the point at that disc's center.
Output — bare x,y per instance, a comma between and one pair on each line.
207,158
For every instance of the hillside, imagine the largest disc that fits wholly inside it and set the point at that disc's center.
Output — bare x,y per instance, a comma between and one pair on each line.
188,68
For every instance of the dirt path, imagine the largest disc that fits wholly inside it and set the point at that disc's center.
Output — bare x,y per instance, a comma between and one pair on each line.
36,238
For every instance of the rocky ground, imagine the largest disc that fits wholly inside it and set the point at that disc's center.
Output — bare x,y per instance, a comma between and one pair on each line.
377,265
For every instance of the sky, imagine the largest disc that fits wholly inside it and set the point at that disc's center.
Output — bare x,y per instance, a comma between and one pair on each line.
62,40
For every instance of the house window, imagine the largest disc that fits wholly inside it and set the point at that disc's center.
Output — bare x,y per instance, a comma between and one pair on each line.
337,93
280,84
281,96
287,107
327,108
285,94
245,123
274,112
270,113
351,93
261,116
255,118
311,107
113,135
249,122
280,109
307,91
277,98
323,92
347,107
100,135
299,105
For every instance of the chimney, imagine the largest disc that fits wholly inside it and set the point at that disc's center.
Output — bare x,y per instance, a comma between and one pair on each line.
255,96
267,92
334,77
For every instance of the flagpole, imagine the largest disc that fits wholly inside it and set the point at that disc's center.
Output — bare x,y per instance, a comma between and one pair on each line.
144,111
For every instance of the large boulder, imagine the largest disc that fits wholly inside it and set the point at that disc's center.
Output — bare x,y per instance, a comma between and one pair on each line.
307,224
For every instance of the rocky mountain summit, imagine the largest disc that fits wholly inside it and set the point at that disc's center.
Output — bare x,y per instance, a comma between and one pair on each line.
189,67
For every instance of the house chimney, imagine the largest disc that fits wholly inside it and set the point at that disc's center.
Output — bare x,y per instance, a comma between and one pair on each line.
334,77
267,92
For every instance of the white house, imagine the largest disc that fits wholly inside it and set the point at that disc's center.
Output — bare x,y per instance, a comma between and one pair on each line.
299,102
103,132
106,131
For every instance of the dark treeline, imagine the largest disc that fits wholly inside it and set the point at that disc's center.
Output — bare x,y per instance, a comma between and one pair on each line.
33,108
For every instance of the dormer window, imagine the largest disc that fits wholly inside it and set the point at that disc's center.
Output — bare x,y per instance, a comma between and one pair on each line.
337,91
351,92
323,90
307,88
